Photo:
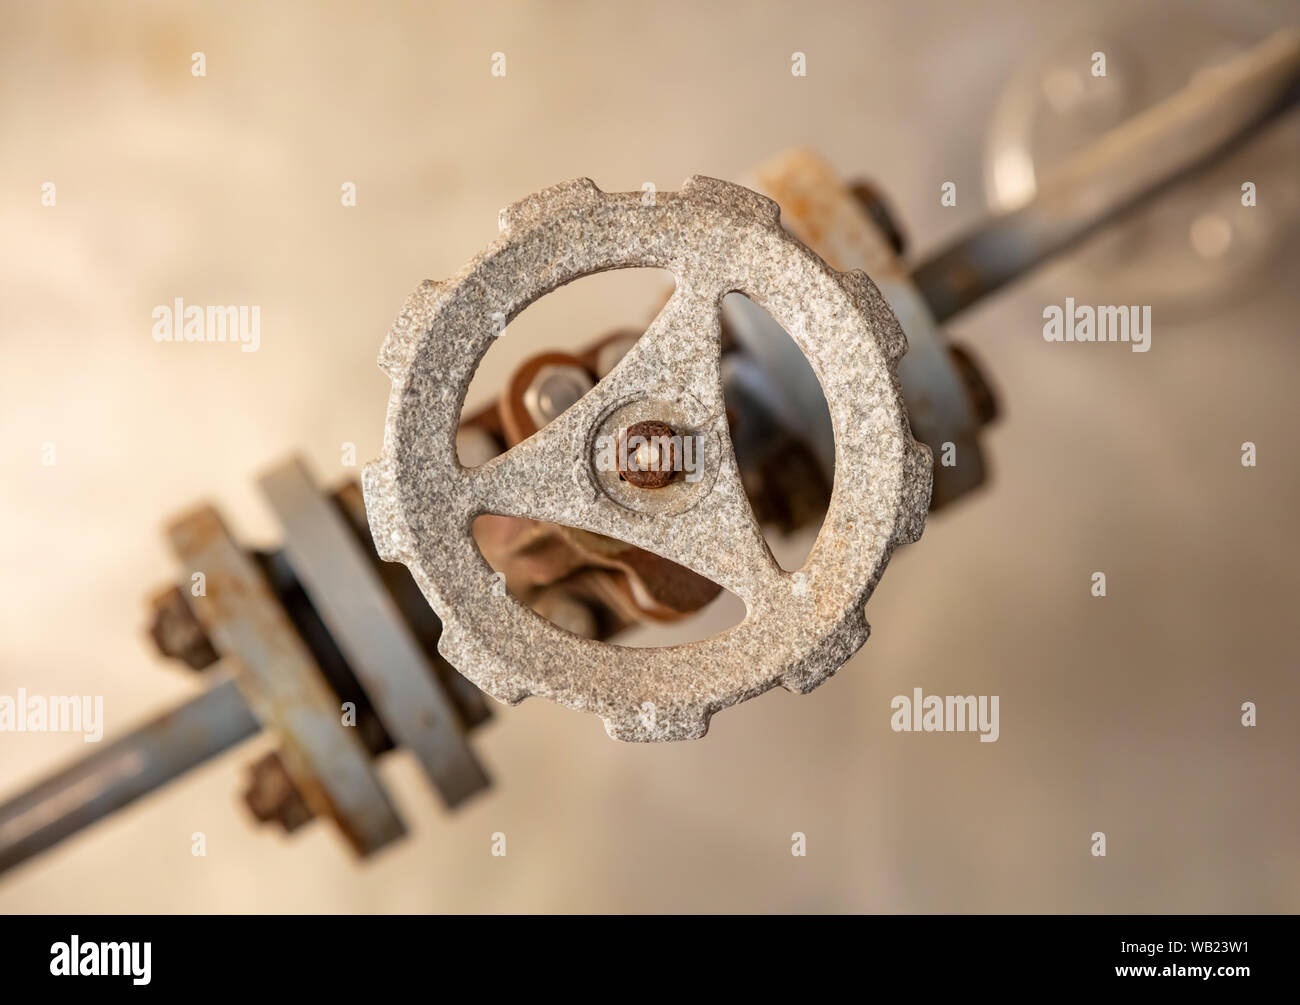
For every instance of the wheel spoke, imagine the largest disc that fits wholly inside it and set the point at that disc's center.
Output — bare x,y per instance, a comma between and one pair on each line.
681,350
549,476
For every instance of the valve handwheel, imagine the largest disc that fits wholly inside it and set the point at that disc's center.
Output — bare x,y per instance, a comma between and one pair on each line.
715,238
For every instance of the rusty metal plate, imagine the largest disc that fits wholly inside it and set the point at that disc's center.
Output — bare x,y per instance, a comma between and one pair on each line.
370,632
824,213
283,685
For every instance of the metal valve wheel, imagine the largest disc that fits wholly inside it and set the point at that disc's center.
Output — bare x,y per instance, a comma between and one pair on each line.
715,238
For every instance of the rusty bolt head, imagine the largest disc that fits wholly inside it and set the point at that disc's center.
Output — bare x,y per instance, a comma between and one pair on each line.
554,389
571,613
177,632
273,796
647,454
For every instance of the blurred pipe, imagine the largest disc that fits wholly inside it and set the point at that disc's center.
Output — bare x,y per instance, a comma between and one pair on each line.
123,771
1132,163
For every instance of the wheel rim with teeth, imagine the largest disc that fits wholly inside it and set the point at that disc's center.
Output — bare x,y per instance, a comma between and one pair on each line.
715,238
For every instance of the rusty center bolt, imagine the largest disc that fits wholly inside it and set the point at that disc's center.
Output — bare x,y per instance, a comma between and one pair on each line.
647,454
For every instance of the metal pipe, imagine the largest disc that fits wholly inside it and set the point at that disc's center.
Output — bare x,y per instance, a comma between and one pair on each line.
1140,158
123,771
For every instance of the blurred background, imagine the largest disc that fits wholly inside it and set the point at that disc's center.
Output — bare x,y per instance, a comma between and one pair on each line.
1119,714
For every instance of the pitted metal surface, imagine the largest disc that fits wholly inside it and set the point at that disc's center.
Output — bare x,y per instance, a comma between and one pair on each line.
715,238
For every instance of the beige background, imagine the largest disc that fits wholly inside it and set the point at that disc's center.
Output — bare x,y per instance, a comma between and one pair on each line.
1120,714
